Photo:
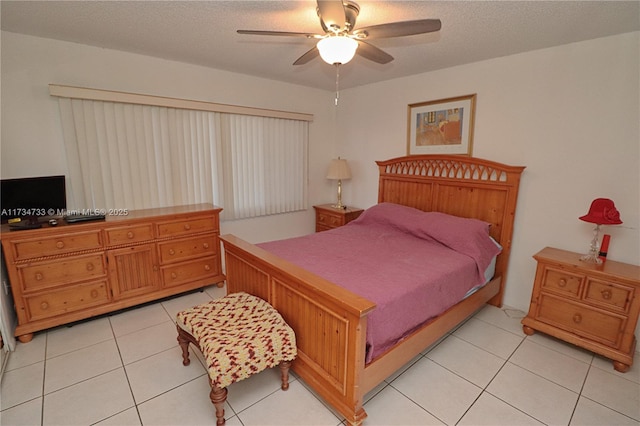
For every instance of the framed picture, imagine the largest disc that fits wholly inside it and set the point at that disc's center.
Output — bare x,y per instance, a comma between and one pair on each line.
444,126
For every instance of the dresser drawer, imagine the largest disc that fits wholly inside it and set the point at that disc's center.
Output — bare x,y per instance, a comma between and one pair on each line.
187,226
329,220
48,246
177,250
581,320
70,299
559,281
129,234
62,271
190,271
608,295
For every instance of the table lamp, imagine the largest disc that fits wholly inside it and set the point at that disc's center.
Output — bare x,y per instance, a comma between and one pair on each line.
339,170
601,212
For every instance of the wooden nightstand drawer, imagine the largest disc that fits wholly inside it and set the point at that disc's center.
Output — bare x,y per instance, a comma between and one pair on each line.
328,217
560,281
596,325
62,271
329,220
608,295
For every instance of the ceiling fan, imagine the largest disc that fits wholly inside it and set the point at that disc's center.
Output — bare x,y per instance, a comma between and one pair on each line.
341,41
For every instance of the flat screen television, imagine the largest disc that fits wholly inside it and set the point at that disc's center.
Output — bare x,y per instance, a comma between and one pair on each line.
33,198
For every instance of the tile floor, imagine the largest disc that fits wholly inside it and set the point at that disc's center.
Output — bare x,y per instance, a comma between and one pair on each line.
126,369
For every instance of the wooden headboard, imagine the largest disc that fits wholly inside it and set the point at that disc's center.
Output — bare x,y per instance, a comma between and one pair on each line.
460,186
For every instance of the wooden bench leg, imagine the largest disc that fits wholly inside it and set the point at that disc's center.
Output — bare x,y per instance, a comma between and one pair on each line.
218,397
284,373
183,341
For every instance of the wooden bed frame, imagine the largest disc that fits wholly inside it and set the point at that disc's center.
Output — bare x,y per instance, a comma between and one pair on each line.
330,322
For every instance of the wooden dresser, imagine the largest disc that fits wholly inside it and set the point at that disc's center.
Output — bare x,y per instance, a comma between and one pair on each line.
592,306
65,273
328,217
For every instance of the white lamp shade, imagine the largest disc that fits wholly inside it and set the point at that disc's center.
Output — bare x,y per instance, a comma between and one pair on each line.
339,169
337,49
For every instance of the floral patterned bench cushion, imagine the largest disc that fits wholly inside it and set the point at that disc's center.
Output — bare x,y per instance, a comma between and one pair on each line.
239,335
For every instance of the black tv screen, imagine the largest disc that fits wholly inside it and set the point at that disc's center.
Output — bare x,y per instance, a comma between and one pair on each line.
34,198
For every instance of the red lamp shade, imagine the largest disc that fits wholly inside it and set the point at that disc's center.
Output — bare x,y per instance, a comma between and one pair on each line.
602,212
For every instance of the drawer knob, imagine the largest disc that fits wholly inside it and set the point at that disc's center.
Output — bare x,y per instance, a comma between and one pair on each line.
90,266
172,252
174,275
94,293
205,246
207,267
60,244
577,318
562,282
187,227
130,235
39,276
44,306
606,294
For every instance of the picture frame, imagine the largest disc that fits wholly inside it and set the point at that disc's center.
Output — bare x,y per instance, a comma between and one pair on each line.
443,126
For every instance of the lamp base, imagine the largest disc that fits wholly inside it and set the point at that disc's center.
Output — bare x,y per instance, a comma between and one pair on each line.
594,249
591,258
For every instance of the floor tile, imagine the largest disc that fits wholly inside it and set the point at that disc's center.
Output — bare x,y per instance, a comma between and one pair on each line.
188,404
296,406
247,392
26,414
89,401
146,342
491,411
65,339
21,385
128,321
489,337
606,364
180,303
127,417
561,346
472,363
447,401
216,292
505,318
28,353
79,365
613,391
536,396
555,366
160,373
391,408
590,413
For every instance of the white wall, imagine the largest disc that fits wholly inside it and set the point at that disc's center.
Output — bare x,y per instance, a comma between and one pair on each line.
32,141
570,114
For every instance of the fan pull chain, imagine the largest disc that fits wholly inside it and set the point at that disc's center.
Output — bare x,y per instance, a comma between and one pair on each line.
337,83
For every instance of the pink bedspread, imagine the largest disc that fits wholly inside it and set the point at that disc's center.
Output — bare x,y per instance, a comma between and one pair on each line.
413,265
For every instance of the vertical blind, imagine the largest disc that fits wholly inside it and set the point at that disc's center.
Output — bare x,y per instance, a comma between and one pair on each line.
133,156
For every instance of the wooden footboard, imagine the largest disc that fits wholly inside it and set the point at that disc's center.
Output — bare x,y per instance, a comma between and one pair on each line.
330,322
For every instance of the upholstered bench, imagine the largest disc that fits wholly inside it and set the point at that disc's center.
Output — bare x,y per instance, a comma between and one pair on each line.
239,335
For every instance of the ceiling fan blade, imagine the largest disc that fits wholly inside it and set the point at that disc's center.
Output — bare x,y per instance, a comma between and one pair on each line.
331,13
399,29
372,53
311,54
279,33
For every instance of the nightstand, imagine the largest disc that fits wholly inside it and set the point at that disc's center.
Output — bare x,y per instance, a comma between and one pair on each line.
592,306
328,217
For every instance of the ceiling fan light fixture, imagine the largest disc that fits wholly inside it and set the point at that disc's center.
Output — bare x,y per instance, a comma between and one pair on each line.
337,49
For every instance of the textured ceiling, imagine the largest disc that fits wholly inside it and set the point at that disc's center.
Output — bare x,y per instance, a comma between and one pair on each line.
204,32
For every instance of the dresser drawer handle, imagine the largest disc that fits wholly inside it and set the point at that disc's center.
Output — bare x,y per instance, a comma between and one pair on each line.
94,293
39,276
60,244
172,252
90,266
174,275
562,282
577,318
130,235
207,267
44,306
606,294
205,246
187,227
